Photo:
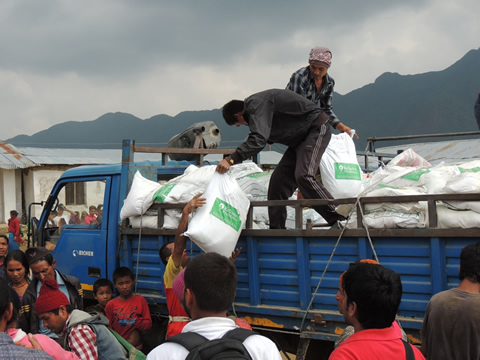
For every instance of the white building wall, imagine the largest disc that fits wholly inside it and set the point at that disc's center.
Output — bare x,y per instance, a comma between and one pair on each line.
9,194
42,182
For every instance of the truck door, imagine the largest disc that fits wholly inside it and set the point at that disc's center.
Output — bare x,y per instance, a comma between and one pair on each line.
76,229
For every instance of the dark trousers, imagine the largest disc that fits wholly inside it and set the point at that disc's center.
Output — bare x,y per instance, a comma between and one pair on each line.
298,168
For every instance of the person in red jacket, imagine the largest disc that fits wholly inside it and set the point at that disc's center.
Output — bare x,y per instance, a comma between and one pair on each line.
14,231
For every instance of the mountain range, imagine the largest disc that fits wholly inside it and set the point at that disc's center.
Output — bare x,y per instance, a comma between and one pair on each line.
394,105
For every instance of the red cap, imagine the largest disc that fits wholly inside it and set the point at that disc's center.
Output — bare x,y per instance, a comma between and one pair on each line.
50,298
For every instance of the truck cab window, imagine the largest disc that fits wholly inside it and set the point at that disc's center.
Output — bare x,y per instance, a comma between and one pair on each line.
78,206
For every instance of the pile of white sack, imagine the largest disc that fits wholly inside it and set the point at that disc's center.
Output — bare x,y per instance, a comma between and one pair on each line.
410,174
406,174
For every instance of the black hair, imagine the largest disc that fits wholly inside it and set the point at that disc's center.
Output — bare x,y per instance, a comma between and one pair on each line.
470,263
4,297
48,258
377,292
19,256
122,271
230,109
213,280
15,300
6,238
14,213
102,282
68,307
165,252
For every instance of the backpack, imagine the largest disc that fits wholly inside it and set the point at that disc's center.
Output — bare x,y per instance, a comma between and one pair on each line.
230,346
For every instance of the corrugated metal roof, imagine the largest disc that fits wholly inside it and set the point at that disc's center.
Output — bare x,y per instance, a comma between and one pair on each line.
452,151
13,158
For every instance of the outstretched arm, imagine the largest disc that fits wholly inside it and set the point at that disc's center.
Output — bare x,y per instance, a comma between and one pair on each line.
180,240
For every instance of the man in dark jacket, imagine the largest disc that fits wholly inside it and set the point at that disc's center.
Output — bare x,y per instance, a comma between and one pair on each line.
284,117
43,265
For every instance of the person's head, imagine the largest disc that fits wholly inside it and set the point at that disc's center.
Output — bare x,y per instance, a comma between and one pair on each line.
5,305
320,59
41,263
123,279
166,251
99,209
372,295
13,213
340,296
103,291
210,284
52,214
233,112
61,209
17,266
470,263
15,301
4,243
92,210
52,306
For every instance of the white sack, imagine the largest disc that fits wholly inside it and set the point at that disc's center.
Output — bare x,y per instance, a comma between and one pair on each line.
216,226
450,218
143,221
464,183
341,174
139,198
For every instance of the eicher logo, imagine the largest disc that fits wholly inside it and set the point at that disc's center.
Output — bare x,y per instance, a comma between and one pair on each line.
82,253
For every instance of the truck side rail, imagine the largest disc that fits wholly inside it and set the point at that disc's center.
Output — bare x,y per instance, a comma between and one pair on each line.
359,204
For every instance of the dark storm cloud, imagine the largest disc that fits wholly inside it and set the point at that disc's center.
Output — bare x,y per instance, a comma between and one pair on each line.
107,38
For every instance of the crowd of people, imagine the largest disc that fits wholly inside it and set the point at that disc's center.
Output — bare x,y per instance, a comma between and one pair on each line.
42,313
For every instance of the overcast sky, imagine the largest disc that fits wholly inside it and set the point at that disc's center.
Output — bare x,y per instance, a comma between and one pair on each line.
70,60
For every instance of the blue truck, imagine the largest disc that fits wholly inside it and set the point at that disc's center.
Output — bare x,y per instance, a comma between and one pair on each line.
287,278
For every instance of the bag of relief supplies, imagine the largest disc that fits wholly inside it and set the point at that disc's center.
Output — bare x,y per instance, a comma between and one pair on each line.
216,226
341,174
139,198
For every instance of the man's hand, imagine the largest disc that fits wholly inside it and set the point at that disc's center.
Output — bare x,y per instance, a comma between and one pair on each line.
196,201
235,253
344,128
223,166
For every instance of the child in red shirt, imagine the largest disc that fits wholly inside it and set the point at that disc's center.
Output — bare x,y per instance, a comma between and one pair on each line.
128,314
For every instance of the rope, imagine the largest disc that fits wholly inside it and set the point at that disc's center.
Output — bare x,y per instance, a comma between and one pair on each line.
321,278
333,253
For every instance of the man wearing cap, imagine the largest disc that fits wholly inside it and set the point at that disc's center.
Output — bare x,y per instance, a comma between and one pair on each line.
284,117
85,335
315,84
43,265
